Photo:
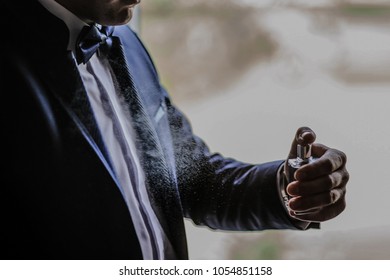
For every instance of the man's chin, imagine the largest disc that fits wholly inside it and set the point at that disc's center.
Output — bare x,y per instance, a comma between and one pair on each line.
121,18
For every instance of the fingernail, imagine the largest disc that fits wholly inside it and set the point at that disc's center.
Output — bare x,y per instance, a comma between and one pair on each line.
292,189
293,204
304,134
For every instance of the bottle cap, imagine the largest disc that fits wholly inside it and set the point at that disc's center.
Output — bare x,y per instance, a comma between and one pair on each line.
304,152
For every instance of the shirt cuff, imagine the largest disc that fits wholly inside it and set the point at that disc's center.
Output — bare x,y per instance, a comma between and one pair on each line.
284,198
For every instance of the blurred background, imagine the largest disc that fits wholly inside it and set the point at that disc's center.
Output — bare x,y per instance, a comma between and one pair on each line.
248,73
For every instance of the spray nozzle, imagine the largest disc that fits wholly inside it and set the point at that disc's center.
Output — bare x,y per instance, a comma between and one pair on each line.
304,151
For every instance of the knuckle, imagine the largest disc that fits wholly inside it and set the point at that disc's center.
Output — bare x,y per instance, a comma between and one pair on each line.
337,196
346,176
329,181
343,157
338,158
332,197
343,192
329,165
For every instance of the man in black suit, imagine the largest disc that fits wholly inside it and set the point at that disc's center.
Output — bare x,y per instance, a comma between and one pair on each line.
99,164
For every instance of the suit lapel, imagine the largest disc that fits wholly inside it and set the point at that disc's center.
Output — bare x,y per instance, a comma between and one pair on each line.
64,80
159,178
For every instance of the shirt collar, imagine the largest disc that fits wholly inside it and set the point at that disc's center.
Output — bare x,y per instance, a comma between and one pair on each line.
73,23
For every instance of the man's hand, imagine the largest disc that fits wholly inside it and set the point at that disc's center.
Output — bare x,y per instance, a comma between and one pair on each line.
318,194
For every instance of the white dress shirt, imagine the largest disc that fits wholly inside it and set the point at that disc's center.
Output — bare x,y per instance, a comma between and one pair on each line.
117,133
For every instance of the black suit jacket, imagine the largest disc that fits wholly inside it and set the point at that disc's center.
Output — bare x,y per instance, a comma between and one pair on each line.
59,198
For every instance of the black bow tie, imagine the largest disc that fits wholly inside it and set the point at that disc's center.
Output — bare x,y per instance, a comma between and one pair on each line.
90,40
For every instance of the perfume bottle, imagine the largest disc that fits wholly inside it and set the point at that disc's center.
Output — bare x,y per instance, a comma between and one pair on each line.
303,157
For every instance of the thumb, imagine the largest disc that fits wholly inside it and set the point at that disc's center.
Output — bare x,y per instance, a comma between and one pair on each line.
303,136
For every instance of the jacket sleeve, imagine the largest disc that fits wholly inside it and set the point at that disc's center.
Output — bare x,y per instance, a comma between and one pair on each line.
220,192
